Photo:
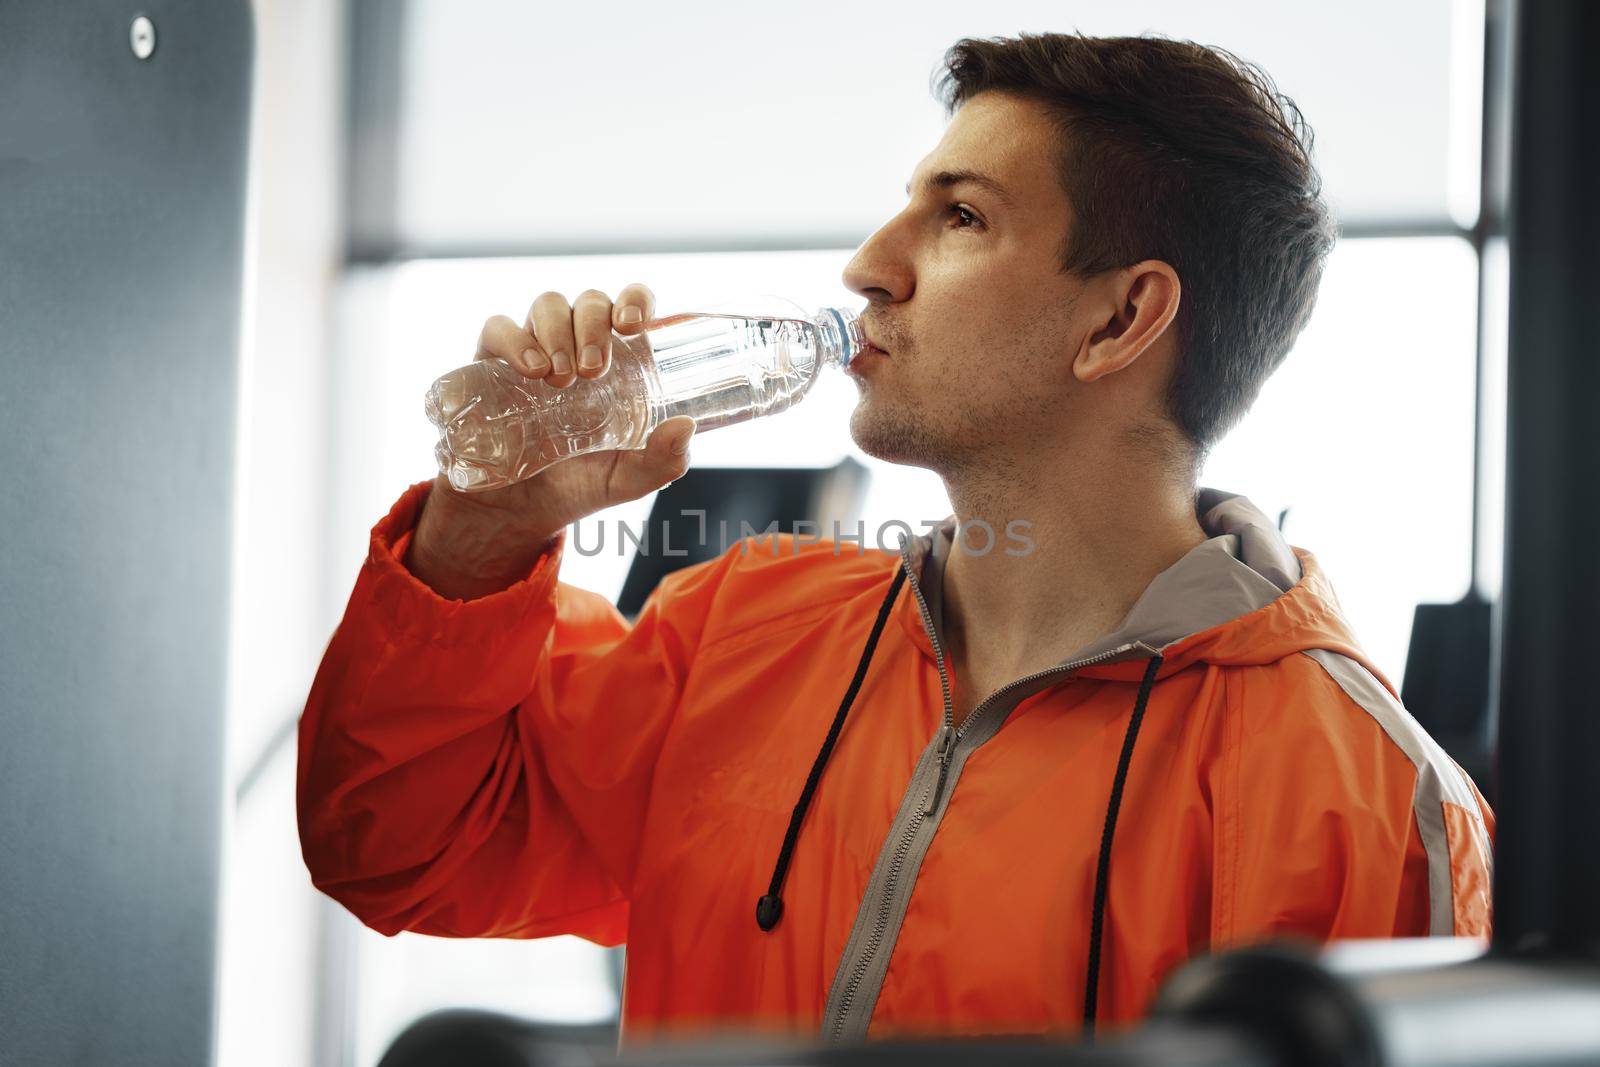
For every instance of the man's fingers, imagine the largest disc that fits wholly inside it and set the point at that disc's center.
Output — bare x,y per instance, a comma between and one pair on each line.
550,321
558,342
591,328
504,339
635,305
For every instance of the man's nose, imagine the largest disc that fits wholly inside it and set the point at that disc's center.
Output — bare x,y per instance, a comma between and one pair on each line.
879,270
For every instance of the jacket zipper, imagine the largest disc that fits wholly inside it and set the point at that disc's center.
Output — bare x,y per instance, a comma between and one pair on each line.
949,736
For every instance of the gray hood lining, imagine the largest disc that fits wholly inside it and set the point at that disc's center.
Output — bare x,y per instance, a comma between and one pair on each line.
1244,566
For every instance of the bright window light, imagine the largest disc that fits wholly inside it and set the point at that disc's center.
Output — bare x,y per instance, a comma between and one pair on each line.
1366,433
551,979
433,311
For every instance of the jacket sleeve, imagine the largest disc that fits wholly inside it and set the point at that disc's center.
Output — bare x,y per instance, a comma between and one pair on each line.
482,768
1338,820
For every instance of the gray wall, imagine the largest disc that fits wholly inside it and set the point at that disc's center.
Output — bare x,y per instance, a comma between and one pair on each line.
121,223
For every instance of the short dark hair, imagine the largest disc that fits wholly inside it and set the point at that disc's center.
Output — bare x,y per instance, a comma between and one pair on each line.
1185,153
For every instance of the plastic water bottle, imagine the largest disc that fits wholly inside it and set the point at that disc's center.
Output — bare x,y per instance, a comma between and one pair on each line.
497,427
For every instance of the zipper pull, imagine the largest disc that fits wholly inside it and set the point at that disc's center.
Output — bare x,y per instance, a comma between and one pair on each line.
946,744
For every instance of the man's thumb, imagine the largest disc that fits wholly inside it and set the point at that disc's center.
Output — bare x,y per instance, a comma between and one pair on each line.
680,430
663,459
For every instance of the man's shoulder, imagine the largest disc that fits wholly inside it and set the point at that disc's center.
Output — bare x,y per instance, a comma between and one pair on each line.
784,578
1328,708
787,566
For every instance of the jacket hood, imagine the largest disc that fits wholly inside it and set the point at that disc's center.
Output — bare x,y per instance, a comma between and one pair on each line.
1243,597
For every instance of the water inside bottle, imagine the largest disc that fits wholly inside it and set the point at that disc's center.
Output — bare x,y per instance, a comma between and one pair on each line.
498,427
724,369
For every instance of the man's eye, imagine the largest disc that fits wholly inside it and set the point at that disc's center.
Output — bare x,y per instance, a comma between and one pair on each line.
962,213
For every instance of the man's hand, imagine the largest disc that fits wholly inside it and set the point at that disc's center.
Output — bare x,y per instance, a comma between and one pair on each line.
473,544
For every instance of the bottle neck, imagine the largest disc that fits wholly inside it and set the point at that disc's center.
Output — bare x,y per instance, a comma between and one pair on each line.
839,335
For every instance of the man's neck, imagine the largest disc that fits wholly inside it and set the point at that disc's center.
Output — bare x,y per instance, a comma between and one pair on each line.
1100,535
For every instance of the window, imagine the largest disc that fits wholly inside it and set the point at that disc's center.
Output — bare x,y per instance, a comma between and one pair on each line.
1365,435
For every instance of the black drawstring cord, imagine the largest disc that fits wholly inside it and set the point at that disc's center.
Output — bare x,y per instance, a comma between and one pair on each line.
1102,872
770,907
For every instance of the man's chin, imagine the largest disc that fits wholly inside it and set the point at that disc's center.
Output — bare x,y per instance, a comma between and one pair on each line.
890,439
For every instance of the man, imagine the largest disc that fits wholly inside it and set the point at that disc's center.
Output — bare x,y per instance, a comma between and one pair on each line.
954,791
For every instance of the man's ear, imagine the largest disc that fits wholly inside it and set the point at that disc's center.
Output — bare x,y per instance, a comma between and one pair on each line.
1140,303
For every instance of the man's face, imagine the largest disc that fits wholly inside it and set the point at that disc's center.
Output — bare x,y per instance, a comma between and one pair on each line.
967,299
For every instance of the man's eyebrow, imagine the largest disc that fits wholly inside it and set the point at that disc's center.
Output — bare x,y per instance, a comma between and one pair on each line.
947,178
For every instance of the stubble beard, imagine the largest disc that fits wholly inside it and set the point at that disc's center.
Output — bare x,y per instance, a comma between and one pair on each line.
896,430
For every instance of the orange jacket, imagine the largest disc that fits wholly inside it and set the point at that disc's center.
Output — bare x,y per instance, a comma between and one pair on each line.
773,727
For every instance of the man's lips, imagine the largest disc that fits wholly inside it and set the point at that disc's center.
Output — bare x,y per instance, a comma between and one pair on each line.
865,355
868,341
